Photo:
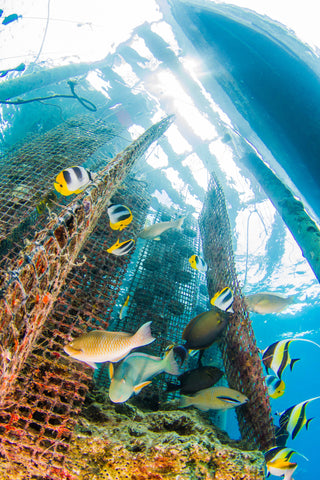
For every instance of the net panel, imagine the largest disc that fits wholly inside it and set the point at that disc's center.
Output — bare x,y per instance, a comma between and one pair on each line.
32,281
36,428
240,353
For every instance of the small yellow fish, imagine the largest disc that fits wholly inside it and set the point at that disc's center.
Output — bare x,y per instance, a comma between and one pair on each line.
124,308
121,248
282,468
103,346
73,180
214,398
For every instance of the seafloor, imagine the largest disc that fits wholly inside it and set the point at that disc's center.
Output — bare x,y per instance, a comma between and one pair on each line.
121,441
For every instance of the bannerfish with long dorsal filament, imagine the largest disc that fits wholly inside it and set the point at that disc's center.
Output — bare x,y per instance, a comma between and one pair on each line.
276,356
281,468
198,263
103,346
121,248
275,385
214,398
135,371
204,329
265,302
294,418
120,216
197,379
73,180
124,308
154,231
223,299
280,453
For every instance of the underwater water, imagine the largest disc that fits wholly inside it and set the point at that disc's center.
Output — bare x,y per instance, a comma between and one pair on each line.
238,81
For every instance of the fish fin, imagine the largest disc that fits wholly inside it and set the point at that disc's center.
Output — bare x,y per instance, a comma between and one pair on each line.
157,239
230,310
91,364
293,361
185,401
143,336
308,421
139,387
111,370
170,364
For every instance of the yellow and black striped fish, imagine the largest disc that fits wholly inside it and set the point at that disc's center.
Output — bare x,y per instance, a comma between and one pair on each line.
120,216
294,418
121,248
73,180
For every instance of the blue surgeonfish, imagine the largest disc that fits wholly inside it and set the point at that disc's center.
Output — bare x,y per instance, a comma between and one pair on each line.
276,357
120,216
135,372
294,418
276,387
153,232
223,299
73,180
265,302
121,248
198,263
214,398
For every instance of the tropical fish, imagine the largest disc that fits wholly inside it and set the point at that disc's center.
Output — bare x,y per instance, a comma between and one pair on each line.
135,371
276,357
46,202
223,299
204,329
10,18
197,379
198,263
121,248
214,398
103,346
124,308
73,180
154,231
294,418
280,453
265,302
281,468
275,385
120,216
19,68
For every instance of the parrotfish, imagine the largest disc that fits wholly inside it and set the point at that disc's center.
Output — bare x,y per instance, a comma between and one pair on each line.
135,371
198,263
120,216
294,418
281,468
214,398
103,346
73,180
265,302
121,248
223,299
197,379
154,231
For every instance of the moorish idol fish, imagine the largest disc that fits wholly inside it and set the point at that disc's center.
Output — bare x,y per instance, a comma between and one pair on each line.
294,418
120,216
198,263
121,248
280,453
73,180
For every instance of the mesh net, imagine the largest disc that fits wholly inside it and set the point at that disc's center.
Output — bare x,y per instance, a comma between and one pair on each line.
240,353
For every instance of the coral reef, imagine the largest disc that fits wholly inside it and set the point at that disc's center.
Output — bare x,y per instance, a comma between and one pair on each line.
120,441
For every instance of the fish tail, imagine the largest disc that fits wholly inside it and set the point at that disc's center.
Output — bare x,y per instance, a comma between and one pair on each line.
308,421
170,364
143,335
293,361
179,222
185,401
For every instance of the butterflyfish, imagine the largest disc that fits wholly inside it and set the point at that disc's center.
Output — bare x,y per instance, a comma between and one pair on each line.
100,346
205,328
223,299
281,468
73,180
198,263
294,418
214,398
120,216
265,302
276,386
197,379
121,248
135,372
276,357
124,308
153,232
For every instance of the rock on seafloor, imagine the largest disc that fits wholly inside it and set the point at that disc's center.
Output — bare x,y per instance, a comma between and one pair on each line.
117,442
